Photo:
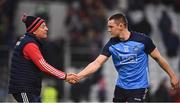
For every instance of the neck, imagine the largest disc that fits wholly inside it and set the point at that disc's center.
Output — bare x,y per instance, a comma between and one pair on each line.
125,34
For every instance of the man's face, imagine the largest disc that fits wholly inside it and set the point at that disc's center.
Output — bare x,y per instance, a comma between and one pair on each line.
114,28
41,32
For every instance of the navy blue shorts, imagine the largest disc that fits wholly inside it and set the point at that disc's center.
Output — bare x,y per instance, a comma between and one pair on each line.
26,97
129,95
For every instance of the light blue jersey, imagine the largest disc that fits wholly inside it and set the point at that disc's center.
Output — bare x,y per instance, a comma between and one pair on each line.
130,59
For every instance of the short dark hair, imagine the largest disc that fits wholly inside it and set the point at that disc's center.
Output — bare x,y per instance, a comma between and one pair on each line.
119,17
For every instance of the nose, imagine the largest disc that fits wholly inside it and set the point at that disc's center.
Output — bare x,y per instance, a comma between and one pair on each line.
46,28
109,30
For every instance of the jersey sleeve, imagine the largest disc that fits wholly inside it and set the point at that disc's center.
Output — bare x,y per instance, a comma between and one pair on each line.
32,52
105,51
149,45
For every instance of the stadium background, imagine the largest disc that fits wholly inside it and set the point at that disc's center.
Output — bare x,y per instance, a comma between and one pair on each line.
77,32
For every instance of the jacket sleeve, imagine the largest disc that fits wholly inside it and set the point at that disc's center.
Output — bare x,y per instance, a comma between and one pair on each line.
32,52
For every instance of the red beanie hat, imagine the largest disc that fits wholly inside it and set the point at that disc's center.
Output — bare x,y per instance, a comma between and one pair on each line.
31,22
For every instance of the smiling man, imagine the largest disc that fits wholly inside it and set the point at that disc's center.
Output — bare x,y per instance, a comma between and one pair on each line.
28,62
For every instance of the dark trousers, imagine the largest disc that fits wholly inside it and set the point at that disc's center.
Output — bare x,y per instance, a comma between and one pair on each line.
129,95
26,97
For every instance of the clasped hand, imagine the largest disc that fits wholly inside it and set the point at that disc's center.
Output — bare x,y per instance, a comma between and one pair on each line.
72,78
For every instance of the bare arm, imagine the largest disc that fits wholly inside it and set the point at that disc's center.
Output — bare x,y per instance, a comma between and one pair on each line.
165,66
93,66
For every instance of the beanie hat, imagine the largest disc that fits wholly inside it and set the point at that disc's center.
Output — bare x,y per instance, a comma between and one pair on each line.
31,22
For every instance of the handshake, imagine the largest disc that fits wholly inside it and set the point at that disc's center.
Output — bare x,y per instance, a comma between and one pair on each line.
72,78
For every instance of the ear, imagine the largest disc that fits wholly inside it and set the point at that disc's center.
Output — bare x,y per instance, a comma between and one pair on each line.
121,25
35,32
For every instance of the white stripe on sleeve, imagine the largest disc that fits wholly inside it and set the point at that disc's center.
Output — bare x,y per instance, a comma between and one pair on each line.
51,69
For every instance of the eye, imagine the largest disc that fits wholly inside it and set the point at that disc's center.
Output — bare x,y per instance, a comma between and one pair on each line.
110,26
43,26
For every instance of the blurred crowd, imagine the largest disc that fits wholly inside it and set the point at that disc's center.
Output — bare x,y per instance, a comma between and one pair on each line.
85,23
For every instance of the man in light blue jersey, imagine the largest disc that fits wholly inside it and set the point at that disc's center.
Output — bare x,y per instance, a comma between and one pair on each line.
129,51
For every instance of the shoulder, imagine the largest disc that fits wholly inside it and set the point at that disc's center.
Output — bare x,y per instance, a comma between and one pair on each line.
31,45
28,38
139,37
113,41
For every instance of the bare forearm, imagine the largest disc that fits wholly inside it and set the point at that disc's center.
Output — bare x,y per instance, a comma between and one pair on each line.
165,66
91,68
